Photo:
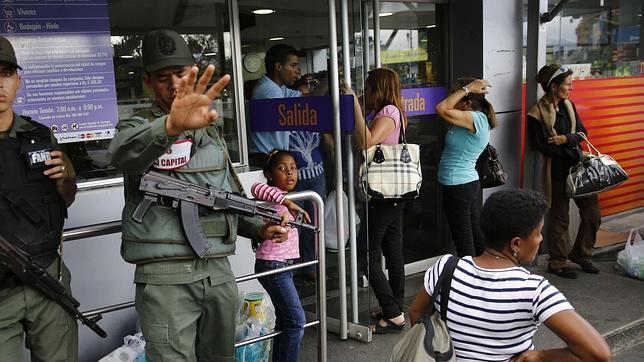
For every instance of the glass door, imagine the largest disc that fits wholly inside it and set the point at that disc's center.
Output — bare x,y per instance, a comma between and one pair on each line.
412,42
305,27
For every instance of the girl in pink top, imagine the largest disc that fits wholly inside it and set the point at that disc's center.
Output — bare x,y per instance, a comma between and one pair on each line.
281,173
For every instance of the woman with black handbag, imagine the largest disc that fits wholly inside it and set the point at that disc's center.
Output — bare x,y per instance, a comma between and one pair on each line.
555,128
470,117
383,98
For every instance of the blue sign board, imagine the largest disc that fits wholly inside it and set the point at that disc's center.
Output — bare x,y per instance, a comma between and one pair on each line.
628,34
314,113
299,114
422,101
68,76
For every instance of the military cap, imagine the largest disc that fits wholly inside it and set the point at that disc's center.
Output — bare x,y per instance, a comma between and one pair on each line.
7,54
165,48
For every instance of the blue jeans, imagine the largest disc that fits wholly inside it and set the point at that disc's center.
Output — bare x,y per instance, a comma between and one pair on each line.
463,210
307,238
288,310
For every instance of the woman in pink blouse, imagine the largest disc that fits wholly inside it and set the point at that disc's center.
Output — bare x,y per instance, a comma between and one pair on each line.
383,236
281,173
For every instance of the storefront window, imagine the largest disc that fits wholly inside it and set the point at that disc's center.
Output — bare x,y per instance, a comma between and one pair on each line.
598,39
409,42
205,27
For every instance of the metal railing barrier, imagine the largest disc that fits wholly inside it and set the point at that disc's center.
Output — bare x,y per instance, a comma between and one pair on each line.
114,227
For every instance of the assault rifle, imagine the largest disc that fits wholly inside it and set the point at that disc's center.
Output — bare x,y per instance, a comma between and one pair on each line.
31,273
188,196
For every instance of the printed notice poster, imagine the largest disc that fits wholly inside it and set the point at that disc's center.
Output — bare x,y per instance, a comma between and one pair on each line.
63,47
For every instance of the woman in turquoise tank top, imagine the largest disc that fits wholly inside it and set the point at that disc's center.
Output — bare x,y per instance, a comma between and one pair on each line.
470,117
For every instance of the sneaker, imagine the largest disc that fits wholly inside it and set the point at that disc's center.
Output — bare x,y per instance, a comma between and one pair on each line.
564,272
587,267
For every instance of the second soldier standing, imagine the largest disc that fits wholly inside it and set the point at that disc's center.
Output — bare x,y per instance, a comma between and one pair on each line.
186,305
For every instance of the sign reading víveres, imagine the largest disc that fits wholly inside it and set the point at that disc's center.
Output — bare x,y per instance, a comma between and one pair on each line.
64,49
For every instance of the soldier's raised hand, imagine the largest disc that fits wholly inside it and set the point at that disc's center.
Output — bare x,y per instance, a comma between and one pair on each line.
191,107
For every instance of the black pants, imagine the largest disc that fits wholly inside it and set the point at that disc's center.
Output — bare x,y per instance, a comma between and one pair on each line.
384,238
463,210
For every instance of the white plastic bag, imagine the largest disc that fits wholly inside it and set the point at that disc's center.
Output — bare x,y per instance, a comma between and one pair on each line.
330,228
631,259
132,350
260,323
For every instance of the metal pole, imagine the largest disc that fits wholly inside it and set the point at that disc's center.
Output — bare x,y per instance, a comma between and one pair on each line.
337,144
536,49
238,84
106,228
376,32
365,39
269,336
348,140
378,64
535,59
318,214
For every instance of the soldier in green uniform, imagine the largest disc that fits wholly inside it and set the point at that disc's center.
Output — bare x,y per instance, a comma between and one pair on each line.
186,305
36,186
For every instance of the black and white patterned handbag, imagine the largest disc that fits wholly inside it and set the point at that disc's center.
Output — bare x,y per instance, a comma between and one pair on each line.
392,171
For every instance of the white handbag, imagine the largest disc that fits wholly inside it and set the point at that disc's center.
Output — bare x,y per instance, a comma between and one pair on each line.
429,340
392,171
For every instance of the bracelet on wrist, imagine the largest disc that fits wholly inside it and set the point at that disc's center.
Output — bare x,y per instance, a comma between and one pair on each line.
467,91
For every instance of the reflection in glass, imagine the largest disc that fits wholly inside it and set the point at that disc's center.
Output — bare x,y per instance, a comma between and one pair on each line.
204,26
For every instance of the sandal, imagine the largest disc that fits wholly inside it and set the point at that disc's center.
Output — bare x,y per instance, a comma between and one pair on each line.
376,313
389,326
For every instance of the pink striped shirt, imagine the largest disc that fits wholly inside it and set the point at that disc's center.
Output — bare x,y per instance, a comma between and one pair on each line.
269,250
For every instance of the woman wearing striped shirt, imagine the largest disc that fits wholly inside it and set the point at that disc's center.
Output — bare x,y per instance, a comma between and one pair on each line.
495,305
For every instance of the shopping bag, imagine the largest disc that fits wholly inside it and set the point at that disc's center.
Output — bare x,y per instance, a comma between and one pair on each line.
594,173
490,170
330,225
426,341
429,339
392,171
631,259
255,318
132,350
